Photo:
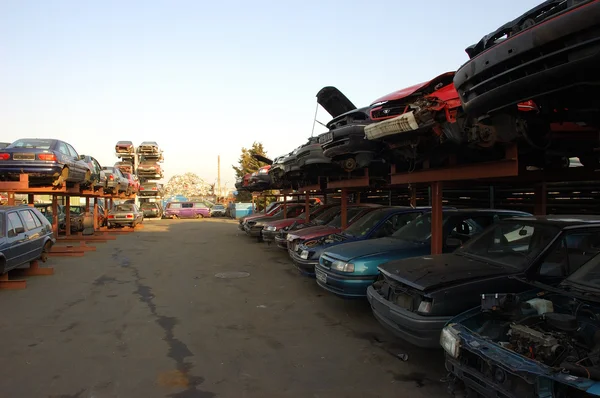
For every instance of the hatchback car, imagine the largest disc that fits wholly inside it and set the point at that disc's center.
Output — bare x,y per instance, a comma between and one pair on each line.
151,209
125,214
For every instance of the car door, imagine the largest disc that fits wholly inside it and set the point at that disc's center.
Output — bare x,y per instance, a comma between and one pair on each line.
77,165
187,210
16,239
33,234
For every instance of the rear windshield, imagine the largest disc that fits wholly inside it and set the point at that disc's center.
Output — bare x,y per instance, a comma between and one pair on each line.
148,205
124,208
34,144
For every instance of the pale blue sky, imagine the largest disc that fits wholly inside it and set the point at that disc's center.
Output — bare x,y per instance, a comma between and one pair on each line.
206,78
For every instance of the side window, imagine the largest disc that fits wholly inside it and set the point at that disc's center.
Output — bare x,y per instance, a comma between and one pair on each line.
72,151
581,247
556,262
187,205
29,219
62,148
15,226
394,223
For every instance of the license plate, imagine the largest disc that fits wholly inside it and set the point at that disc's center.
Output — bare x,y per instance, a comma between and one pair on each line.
321,276
325,138
23,156
304,254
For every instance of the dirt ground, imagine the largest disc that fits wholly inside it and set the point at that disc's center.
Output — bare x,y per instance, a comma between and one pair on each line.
146,316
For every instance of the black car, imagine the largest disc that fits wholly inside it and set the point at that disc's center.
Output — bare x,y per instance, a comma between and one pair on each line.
98,177
547,54
276,172
151,209
416,297
46,161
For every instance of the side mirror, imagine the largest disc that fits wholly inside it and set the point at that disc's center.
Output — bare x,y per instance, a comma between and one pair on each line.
453,243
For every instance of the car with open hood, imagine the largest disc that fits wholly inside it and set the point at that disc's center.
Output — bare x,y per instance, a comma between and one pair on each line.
273,228
254,226
543,342
326,216
45,161
348,269
415,297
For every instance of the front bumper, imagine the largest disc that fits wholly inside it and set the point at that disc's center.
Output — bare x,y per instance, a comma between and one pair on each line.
343,285
349,140
312,156
252,231
281,241
557,54
269,236
421,331
305,266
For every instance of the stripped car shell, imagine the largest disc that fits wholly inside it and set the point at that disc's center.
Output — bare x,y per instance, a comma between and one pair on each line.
149,169
124,149
260,180
124,214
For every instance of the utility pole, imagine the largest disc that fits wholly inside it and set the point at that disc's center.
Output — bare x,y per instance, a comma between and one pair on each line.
218,176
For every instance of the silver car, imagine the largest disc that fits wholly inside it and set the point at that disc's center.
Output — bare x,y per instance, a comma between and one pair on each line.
125,214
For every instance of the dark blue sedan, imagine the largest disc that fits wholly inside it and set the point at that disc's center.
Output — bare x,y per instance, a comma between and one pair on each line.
378,223
45,161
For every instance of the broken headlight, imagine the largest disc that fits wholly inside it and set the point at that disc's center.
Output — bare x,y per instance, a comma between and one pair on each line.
271,228
450,341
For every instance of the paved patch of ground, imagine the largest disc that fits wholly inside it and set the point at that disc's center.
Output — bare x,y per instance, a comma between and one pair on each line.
145,316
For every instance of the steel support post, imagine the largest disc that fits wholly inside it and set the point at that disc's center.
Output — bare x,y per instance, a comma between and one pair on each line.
344,210
436,218
540,199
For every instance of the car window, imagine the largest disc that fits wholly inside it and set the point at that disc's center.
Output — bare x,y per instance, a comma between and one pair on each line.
174,205
568,255
62,148
187,205
394,223
33,143
72,151
29,219
15,225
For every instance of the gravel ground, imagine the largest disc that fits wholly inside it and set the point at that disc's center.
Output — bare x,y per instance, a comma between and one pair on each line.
146,316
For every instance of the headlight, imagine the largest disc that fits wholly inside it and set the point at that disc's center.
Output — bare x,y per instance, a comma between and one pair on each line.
450,341
290,238
342,266
271,228
425,307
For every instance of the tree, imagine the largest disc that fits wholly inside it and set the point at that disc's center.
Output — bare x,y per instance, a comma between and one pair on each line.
247,165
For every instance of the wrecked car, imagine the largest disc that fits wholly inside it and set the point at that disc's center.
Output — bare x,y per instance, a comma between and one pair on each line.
415,297
548,55
348,269
149,149
149,169
327,215
124,149
253,226
124,166
312,162
260,179
543,342
273,228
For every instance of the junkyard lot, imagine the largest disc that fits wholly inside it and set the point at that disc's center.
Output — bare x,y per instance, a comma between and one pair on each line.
145,316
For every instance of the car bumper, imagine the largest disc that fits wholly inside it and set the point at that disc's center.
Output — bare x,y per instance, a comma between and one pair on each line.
281,241
305,266
421,331
349,143
217,213
33,169
343,285
312,157
252,231
151,214
557,54
269,236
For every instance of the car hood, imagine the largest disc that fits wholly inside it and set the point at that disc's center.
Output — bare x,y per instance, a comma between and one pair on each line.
314,232
333,101
372,247
429,272
408,91
287,222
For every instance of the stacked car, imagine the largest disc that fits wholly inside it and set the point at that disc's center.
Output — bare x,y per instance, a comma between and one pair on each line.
141,167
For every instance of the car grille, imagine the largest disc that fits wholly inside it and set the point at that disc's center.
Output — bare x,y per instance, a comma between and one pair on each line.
23,156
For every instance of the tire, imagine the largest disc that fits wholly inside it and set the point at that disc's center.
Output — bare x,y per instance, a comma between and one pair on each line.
45,251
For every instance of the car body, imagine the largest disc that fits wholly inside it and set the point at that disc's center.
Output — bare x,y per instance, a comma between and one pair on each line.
149,169
353,213
414,298
45,210
273,228
151,209
277,173
98,177
253,226
272,209
133,183
218,210
45,161
124,149
260,179
25,236
149,189
328,213
149,148
186,210
126,214
364,256
125,166
518,345
77,214
115,180
378,223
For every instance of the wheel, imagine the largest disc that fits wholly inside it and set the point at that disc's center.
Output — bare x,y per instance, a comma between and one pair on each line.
45,251
349,164
61,178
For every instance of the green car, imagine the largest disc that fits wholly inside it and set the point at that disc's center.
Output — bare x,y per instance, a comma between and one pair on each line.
46,210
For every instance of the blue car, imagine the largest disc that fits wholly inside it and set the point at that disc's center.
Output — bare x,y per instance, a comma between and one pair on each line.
349,269
46,161
377,223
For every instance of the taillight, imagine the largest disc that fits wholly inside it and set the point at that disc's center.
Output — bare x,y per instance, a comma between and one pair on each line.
111,216
111,177
154,188
50,157
129,215
4,156
141,188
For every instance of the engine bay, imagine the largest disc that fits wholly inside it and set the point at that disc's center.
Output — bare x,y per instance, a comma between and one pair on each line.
556,330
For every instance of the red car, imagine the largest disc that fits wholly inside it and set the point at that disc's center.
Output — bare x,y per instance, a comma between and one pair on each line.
355,212
272,209
134,183
272,229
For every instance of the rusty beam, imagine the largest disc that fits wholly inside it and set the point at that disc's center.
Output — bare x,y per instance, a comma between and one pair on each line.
11,198
95,215
31,199
22,184
68,215
12,284
284,207
307,208
344,209
33,270
55,215
436,218
413,196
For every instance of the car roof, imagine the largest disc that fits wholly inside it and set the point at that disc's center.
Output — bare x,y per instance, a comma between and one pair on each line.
15,207
563,220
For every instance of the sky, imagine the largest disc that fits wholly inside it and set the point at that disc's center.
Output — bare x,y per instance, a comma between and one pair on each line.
207,78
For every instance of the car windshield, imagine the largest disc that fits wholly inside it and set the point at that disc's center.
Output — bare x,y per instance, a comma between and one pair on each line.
352,212
326,216
588,275
418,230
33,144
511,243
366,223
124,208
